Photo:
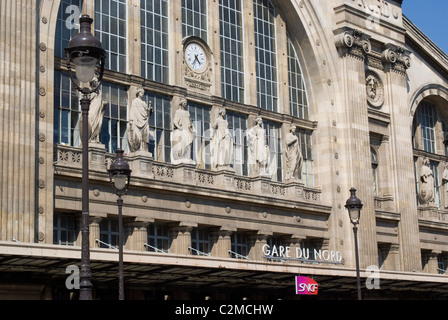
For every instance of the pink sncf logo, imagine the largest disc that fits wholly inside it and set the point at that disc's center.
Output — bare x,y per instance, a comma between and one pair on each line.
306,285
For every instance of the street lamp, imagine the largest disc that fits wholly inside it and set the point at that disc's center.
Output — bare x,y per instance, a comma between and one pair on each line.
85,52
354,207
120,175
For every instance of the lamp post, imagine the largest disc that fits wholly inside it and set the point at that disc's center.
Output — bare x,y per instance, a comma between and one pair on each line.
120,175
354,207
85,52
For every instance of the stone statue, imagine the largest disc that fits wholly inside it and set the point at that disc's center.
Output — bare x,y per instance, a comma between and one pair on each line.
138,130
294,158
222,142
96,113
258,150
445,184
426,186
182,136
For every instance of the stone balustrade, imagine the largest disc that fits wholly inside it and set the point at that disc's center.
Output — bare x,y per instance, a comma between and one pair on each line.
145,167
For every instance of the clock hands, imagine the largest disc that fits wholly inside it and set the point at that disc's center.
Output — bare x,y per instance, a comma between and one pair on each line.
196,59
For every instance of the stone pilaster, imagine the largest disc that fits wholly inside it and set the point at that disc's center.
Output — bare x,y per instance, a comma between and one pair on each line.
137,235
256,241
94,231
221,240
396,62
19,138
432,263
180,235
353,46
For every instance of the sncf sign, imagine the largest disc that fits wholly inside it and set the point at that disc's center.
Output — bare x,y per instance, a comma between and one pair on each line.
306,285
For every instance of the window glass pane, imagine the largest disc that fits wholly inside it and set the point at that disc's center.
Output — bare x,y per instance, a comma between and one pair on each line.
158,237
266,60
154,46
160,126
200,241
110,28
67,24
200,151
231,50
66,111
64,229
237,127
113,130
427,116
273,140
194,18
297,92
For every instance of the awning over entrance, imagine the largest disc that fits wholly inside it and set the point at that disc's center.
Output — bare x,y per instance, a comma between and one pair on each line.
22,263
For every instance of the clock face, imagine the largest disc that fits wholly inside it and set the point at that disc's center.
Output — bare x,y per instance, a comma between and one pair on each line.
195,57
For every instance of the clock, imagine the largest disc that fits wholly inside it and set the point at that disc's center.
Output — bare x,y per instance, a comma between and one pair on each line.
197,64
196,57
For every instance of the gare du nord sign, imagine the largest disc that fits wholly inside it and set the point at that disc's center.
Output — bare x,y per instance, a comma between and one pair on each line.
301,254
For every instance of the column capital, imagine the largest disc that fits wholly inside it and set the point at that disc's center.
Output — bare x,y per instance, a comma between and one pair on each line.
396,58
352,42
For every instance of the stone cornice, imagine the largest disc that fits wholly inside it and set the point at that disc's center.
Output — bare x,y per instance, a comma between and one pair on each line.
425,47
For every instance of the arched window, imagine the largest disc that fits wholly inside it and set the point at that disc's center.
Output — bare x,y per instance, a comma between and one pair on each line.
428,134
154,27
298,99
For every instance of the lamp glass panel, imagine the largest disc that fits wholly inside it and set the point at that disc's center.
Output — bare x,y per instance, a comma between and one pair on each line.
85,68
120,181
354,214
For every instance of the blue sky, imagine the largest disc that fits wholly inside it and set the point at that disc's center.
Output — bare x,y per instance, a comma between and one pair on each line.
430,16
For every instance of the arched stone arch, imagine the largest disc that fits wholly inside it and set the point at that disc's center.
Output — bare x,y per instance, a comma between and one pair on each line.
436,93
314,43
314,47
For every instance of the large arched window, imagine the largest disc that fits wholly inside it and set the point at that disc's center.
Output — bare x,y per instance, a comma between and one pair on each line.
152,30
428,132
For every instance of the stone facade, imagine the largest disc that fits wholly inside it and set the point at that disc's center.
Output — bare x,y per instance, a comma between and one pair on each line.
367,69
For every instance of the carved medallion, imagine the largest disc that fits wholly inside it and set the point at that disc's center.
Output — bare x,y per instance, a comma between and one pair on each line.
374,90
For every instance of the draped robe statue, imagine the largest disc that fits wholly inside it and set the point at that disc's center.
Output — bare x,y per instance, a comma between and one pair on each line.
294,158
138,130
445,184
96,113
258,150
426,185
222,142
182,136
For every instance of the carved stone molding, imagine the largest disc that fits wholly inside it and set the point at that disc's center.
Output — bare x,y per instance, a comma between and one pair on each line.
353,42
374,89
